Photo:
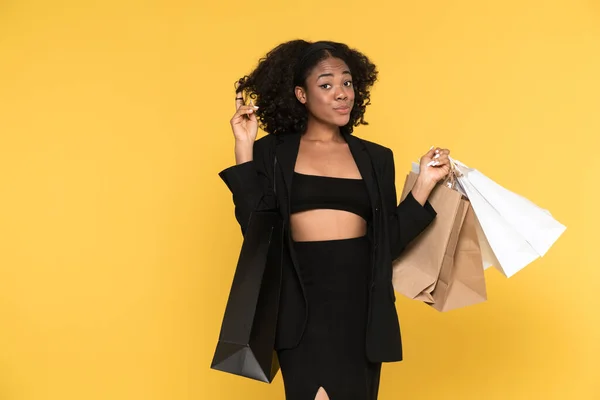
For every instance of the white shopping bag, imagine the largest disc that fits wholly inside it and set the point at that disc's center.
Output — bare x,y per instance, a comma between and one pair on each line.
514,231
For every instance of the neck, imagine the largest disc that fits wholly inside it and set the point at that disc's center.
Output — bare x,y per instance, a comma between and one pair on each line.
318,131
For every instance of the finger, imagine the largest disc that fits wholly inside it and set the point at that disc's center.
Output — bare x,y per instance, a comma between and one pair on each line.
441,152
437,164
240,114
431,152
443,161
239,96
439,161
249,108
239,100
244,110
436,153
252,117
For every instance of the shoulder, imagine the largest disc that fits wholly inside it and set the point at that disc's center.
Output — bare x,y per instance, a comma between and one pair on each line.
264,141
376,149
263,146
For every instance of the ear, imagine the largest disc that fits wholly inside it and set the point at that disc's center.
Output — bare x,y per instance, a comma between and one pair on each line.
300,94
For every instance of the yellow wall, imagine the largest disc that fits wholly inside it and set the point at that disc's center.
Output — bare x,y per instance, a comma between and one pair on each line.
117,238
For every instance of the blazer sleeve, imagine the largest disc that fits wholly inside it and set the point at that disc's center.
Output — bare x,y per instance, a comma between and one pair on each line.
407,219
251,185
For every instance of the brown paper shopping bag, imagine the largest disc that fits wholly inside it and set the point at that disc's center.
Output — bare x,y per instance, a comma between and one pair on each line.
462,281
416,271
443,267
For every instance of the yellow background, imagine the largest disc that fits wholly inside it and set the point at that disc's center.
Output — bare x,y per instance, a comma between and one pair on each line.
118,241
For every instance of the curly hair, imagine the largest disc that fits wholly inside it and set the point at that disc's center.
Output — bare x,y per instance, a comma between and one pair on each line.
271,85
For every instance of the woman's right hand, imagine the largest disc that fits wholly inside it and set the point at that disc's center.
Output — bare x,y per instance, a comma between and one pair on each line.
244,122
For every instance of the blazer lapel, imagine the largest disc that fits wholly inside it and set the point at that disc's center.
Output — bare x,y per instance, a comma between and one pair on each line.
365,166
286,152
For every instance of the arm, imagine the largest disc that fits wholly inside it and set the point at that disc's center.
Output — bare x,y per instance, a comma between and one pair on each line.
409,218
250,182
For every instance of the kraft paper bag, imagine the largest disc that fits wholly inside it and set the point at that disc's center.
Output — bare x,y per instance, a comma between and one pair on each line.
443,266
462,278
416,271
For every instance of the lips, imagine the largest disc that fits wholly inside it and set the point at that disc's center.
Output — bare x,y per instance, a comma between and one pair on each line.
343,110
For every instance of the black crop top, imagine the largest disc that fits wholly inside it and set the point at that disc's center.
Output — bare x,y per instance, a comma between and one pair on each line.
311,192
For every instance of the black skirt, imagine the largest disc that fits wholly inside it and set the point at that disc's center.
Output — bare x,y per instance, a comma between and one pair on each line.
331,353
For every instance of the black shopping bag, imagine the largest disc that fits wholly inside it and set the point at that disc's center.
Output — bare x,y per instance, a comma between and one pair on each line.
247,339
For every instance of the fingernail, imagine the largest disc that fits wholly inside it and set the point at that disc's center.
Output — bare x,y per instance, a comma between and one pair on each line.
255,106
436,156
436,163
430,163
437,151
431,147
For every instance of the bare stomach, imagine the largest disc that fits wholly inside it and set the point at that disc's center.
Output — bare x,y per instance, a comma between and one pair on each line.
316,225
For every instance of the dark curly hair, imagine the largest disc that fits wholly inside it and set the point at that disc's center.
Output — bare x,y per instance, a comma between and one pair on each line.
271,84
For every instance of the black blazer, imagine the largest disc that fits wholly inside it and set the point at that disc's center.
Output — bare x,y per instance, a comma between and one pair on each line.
266,181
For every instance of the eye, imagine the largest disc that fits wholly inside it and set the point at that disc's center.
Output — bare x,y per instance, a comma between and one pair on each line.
348,83
324,85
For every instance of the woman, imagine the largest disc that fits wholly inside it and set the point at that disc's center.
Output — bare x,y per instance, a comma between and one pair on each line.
336,193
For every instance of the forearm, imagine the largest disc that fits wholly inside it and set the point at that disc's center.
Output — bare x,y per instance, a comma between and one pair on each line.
243,152
422,189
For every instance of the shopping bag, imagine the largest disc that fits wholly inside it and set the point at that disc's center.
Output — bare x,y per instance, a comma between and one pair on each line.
514,231
416,270
247,337
442,267
462,279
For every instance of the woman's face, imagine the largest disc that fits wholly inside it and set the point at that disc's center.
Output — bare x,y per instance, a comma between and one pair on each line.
329,93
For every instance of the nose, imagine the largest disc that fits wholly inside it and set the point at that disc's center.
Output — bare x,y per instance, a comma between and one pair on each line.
341,94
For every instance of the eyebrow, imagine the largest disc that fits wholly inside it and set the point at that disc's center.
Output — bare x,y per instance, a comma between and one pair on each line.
330,74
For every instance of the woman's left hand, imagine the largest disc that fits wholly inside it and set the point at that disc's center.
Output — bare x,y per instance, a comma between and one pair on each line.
435,165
